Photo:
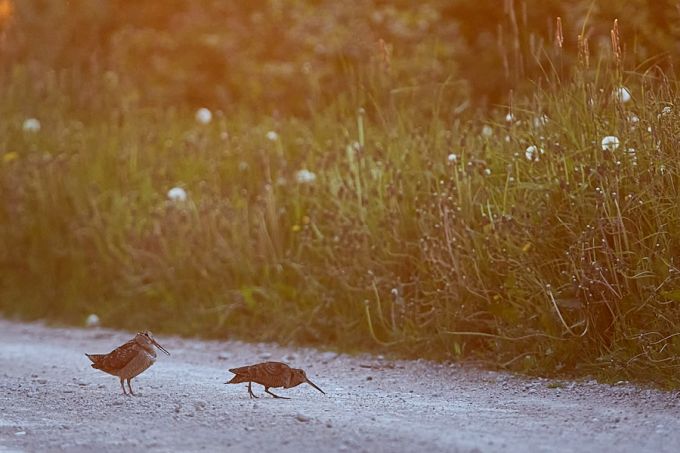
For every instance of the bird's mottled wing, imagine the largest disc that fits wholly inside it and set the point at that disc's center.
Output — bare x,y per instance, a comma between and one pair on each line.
274,368
119,357
273,374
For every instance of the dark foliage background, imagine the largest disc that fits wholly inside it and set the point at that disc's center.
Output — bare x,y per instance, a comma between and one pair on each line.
291,56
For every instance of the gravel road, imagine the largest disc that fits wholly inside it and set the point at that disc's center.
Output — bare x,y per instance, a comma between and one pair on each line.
52,400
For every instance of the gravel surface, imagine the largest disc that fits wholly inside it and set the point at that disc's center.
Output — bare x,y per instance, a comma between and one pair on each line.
52,400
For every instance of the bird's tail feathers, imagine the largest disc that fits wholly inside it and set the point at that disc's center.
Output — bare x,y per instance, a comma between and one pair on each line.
95,358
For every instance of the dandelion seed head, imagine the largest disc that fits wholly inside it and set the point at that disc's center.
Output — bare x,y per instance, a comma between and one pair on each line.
487,131
532,153
610,143
453,158
177,194
272,136
509,118
305,176
623,95
92,320
31,125
203,116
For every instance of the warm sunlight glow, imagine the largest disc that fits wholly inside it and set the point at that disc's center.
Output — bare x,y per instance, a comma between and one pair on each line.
460,218
6,9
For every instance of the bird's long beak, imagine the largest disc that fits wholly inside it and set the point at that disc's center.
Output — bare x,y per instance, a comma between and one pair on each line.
160,347
314,385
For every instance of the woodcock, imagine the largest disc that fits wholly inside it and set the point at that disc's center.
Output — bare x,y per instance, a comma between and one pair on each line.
270,374
129,360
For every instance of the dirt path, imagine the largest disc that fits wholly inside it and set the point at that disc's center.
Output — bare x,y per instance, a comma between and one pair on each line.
51,400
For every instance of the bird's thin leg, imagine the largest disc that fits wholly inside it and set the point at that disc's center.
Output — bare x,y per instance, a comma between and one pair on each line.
250,390
130,387
123,386
266,389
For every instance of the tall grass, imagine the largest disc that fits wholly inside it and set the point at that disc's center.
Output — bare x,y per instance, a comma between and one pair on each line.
424,233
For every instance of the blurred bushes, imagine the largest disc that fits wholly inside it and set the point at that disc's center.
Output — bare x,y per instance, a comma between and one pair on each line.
292,57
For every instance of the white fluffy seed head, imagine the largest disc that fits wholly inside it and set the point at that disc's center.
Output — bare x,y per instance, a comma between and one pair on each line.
610,143
31,125
305,176
623,95
533,153
177,194
92,320
203,116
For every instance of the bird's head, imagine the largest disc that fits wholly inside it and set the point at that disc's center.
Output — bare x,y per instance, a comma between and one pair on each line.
147,341
298,377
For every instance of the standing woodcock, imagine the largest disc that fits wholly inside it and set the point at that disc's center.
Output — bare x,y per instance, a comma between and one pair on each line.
129,360
270,374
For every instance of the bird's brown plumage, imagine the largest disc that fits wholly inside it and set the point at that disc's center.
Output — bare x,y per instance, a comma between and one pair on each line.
270,374
128,360
117,359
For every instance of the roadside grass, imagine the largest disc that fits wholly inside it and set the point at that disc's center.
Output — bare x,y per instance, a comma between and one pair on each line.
517,241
